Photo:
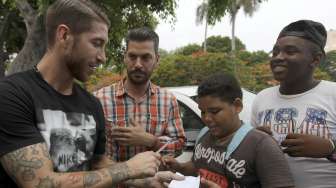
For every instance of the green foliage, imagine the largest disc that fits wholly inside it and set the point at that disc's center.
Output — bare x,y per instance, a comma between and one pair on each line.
12,28
330,58
188,49
180,70
322,75
253,57
123,15
217,44
177,70
329,64
101,78
163,53
217,9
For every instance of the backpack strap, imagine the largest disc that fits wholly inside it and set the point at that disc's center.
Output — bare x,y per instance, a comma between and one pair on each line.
236,140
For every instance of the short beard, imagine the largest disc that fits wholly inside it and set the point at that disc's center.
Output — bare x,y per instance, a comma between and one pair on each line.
137,81
73,64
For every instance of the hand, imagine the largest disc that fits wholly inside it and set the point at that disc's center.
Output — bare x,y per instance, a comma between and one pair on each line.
265,129
209,184
303,145
144,164
170,163
162,179
133,136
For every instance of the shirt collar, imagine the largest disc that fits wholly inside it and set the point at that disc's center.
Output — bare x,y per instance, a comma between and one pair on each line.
120,88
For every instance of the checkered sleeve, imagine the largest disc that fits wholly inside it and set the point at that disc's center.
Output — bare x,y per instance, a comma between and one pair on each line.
174,129
102,96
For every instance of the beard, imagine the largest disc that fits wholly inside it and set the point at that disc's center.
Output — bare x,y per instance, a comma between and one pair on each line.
76,69
76,63
138,76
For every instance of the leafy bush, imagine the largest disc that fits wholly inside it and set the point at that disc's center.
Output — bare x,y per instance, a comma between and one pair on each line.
101,78
188,49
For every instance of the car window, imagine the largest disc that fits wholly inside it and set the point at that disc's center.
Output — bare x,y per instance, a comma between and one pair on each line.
192,124
189,118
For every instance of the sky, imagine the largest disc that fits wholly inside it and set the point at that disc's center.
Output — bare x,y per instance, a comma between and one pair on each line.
258,32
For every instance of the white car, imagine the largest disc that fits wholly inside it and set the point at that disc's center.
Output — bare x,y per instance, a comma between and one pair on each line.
191,115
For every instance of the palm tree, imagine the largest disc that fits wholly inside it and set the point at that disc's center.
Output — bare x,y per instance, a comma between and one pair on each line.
202,15
249,7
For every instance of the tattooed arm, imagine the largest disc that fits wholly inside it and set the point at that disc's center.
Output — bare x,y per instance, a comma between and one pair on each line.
31,167
101,161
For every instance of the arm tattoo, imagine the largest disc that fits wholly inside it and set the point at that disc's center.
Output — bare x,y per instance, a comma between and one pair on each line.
44,150
47,182
119,172
23,163
91,179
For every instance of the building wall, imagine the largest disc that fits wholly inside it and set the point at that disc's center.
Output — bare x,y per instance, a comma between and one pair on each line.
331,41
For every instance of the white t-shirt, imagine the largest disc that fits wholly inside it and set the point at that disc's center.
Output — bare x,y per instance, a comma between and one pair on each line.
312,112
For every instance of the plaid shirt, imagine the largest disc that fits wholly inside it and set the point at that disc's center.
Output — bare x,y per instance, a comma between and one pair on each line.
157,111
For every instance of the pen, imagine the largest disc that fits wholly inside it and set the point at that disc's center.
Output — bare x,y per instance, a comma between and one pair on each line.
163,147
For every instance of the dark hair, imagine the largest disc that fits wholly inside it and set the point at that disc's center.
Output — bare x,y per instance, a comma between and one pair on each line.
315,50
143,34
76,14
222,85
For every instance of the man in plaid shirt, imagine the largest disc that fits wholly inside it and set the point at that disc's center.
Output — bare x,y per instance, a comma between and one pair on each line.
140,116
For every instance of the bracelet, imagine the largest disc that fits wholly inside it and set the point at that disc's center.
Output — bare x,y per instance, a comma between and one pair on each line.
332,143
332,156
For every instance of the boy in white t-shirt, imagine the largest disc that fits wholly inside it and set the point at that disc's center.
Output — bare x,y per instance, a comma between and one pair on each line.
301,112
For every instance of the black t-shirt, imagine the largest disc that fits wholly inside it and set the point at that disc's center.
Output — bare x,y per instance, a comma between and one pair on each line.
31,112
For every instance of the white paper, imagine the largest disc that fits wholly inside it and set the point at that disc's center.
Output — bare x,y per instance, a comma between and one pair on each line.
188,182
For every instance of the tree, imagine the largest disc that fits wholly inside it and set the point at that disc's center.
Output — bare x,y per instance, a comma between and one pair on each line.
253,57
219,8
12,33
202,15
249,7
188,49
329,65
222,44
122,14
163,53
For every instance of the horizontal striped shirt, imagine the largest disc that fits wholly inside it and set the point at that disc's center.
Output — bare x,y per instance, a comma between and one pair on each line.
157,112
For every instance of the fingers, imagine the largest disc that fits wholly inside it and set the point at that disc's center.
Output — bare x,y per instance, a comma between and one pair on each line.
121,130
177,177
145,164
133,123
209,183
169,162
266,129
293,136
167,176
154,163
168,159
165,184
292,142
157,158
120,135
294,151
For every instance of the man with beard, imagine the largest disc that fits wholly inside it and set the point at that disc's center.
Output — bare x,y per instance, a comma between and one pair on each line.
141,116
34,105
301,112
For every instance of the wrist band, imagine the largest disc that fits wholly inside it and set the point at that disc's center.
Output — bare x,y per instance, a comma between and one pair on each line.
333,144
332,156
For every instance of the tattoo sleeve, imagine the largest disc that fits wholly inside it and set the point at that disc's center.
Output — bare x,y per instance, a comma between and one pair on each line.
119,172
23,163
32,167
